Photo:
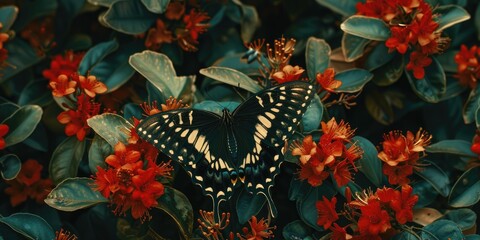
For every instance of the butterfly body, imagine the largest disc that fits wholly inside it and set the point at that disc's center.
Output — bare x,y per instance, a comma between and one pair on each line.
220,152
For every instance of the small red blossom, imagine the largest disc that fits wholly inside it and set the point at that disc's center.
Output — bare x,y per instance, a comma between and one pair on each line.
417,64
62,86
194,23
288,74
91,86
475,145
327,80
468,67
306,150
158,35
326,212
423,27
175,10
403,204
399,174
3,37
258,230
76,120
399,39
65,235
339,233
374,220
338,131
66,64
3,132
211,228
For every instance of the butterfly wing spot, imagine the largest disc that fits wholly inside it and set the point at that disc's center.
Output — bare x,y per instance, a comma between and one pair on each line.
270,115
282,98
265,121
180,158
272,169
199,178
162,146
282,88
192,136
260,101
307,97
184,133
165,116
209,189
290,128
275,110
139,129
299,112
190,117
180,121
229,189
294,120
267,180
303,105
276,157
270,99
171,124
279,104
178,129
171,152
220,193
155,141
259,186
261,131
144,132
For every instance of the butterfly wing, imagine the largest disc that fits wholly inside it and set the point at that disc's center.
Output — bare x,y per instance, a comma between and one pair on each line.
195,139
263,124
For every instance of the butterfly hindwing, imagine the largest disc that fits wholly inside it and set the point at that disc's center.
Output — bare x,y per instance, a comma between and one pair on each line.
192,138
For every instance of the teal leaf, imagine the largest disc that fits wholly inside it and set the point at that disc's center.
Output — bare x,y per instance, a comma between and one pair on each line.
433,86
249,22
426,191
378,57
298,189
249,205
156,6
317,56
306,207
313,116
231,77
22,123
454,88
129,17
95,55
216,107
379,108
35,93
158,70
447,60
98,151
176,204
343,7
466,191
369,163
111,127
472,237
31,11
449,15
6,110
465,218
366,27
353,46
29,225
10,166
390,72
452,146
296,230
8,14
78,42
441,229
104,3
471,105
24,57
73,194
436,177
353,80
66,159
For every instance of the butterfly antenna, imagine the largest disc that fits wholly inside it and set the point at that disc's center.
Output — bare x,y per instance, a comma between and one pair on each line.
273,212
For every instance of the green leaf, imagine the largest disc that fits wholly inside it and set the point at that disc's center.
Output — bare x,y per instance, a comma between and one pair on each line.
95,55
426,191
111,127
441,229
66,159
10,166
390,72
73,194
378,57
129,17
465,218
231,77
97,153
176,204
466,191
353,47
317,56
7,109
471,105
472,237
366,27
249,21
353,80
379,108
447,60
29,225
22,123
298,189
343,7
158,70
104,3
452,146
313,116
450,15
454,88
369,164
78,42
156,6
436,177
249,205
24,57
306,207
8,14
34,93
296,230
433,86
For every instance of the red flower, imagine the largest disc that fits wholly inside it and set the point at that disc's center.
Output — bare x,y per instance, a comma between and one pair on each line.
193,23
423,27
418,61
65,235
342,174
62,86
403,204
91,85
146,191
398,175
339,233
258,230
3,37
338,131
175,10
326,212
399,39
158,35
3,131
306,150
327,80
468,69
63,64
76,120
312,173
288,74
373,220
30,172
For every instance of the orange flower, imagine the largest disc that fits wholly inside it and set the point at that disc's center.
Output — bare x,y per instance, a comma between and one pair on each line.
326,212
66,64
306,150
64,235
209,227
258,230
62,86
172,103
398,148
338,131
158,35
193,23
76,120
468,69
423,27
3,37
3,131
327,80
288,74
175,10
91,85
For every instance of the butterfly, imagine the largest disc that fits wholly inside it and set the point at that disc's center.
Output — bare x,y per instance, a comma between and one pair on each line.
245,146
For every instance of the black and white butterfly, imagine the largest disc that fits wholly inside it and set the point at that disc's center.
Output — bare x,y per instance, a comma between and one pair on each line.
245,146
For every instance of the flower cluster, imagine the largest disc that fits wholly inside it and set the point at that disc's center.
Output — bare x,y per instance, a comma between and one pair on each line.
3,131
130,181
258,230
28,184
329,155
327,80
65,235
192,25
468,69
372,215
400,154
66,64
412,25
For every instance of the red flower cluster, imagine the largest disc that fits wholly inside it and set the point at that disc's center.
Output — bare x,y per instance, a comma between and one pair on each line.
372,216
66,64
40,34
3,131
258,230
400,154
130,183
327,80
76,118
187,35
468,69
28,184
330,155
412,25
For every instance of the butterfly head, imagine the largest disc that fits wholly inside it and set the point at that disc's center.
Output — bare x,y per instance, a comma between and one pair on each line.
227,115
